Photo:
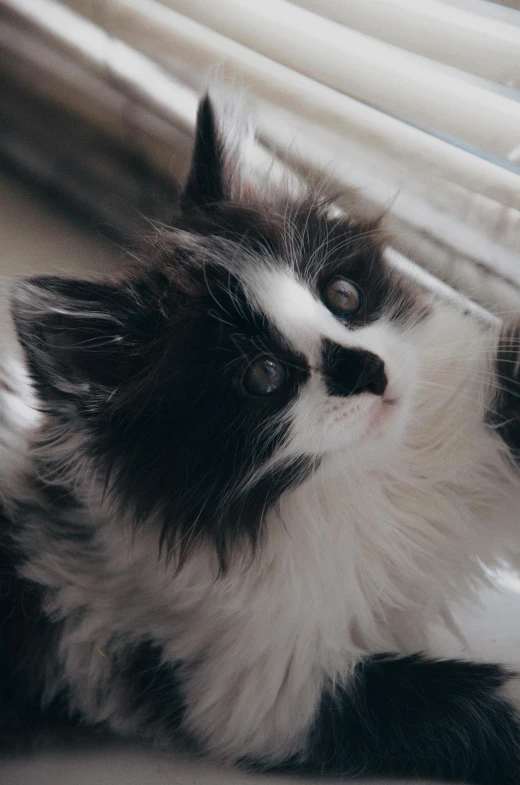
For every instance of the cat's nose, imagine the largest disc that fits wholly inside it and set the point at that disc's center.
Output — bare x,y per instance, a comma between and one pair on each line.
353,371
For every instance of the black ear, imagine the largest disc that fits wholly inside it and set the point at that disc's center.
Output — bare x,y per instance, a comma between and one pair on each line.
80,336
221,132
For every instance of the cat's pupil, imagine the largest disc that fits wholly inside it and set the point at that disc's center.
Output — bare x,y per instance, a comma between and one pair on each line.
264,376
342,297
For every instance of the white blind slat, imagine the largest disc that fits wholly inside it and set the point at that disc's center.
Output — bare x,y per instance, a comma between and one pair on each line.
454,36
395,81
159,32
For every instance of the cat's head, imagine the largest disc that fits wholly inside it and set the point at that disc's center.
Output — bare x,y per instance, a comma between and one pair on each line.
263,335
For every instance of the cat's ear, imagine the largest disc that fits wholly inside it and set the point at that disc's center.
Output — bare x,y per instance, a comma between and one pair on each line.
223,134
79,336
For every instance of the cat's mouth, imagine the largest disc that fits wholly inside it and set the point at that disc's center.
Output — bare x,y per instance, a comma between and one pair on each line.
367,418
384,410
357,419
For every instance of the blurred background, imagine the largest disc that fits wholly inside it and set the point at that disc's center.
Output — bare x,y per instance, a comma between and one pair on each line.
410,106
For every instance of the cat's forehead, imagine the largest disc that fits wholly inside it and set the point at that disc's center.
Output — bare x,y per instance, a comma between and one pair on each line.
294,309
269,267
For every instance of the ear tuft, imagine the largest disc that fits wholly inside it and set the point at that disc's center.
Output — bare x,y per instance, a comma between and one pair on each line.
222,134
75,334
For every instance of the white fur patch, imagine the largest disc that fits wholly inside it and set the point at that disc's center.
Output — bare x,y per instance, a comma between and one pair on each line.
297,314
300,317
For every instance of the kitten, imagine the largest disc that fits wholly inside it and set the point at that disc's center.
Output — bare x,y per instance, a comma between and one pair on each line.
264,463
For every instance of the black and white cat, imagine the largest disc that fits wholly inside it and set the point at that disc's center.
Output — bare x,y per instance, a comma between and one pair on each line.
260,465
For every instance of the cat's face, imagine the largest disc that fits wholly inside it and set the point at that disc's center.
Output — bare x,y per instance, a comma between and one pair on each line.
261,338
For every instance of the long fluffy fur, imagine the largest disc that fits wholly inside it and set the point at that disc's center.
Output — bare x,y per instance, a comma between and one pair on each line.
251,607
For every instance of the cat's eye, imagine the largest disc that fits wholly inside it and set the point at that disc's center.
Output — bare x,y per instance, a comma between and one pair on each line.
342,298
264,376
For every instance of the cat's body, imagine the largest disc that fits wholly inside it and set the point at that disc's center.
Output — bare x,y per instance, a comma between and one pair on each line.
249,486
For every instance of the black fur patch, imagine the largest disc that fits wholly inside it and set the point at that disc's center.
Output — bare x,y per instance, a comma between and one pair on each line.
27,640
152,380
152,688
415,717
206,183
505,414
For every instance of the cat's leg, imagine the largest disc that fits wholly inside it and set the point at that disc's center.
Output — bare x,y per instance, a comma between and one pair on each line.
505,413
418,717
28,646
397,717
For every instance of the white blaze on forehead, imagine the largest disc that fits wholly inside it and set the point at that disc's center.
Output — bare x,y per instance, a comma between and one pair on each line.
296,313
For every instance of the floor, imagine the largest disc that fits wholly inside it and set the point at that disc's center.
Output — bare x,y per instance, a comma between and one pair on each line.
36,238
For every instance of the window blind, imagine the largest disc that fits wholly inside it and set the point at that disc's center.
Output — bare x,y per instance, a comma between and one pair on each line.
411,107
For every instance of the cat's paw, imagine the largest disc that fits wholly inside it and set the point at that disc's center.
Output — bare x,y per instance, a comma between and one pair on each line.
505,415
